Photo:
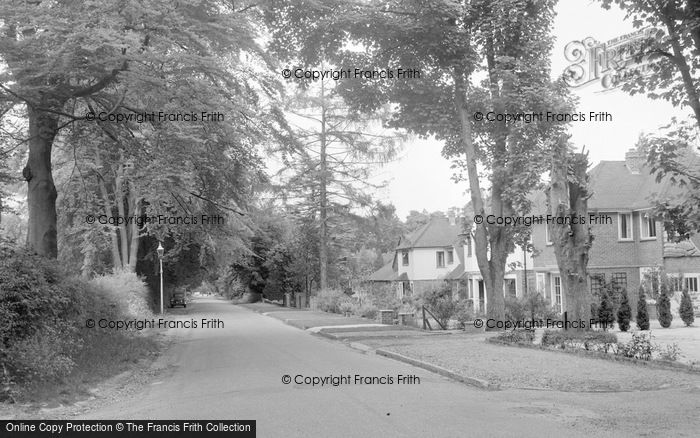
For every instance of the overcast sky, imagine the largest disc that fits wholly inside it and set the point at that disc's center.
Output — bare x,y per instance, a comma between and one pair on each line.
421,178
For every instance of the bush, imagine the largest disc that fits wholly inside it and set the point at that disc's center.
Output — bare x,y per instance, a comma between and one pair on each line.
642,313
516,336
128,289
532,306
624,313
671,352
663,308
639,347
43,313
367,310
346,306
384,297
686,309
441,305
464,313
329,299
606,315
587,340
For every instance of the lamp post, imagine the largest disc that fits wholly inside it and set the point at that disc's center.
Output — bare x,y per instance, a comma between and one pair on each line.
160,258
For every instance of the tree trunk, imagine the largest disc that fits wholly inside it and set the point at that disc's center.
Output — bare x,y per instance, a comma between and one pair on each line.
568,199
682,64
107,206
41,191
491,270
323,199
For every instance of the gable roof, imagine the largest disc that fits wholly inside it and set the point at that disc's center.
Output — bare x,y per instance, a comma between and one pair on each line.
438,232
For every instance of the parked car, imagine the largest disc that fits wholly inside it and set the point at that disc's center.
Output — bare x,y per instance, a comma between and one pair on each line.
178,299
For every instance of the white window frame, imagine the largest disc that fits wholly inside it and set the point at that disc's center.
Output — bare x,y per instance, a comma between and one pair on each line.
437,259
645,219
450,256
554,292
469,243
547,235
630,228
691,279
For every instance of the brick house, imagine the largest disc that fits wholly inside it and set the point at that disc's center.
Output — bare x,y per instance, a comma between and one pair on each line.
440,251
628,241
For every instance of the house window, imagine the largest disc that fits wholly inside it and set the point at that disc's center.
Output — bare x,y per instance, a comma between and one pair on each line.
624,226
691,283
648,226
404,258
675,283
597,284
469,246
450,257
547,235
557,291
440,258
619,280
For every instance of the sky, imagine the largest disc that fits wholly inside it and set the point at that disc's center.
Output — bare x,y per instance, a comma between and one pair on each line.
421,178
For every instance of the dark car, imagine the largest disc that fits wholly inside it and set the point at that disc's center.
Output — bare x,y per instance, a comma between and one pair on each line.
178,299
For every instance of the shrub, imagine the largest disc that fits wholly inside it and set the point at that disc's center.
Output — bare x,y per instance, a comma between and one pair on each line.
587,340
672,352
384,297
346,306
606,316
642,313
516,336
464,313
639,347
532,306
441,305
329,299
128,289
686,309
367,310
663,308
624,313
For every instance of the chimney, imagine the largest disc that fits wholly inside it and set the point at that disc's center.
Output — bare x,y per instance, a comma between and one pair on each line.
635,160
451,216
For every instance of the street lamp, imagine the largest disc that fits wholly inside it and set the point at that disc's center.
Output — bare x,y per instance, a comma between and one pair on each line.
160,258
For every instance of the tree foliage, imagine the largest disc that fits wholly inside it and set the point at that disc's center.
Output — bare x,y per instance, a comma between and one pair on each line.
686,310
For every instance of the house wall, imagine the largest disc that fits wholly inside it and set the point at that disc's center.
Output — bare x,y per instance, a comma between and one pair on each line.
423,264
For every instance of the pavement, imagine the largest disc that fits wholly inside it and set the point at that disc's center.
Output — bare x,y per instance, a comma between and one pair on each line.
240,370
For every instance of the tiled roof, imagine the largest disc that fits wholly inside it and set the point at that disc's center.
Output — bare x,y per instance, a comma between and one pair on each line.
385,273
456,273
681,249
438,232
614,187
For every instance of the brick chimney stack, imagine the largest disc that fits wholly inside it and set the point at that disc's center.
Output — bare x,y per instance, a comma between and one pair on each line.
635,160
451,217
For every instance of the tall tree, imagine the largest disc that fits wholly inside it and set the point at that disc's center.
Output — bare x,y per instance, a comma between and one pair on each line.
445,43
99,55
327,169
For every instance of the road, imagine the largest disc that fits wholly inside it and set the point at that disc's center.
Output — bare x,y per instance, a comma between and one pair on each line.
236,372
